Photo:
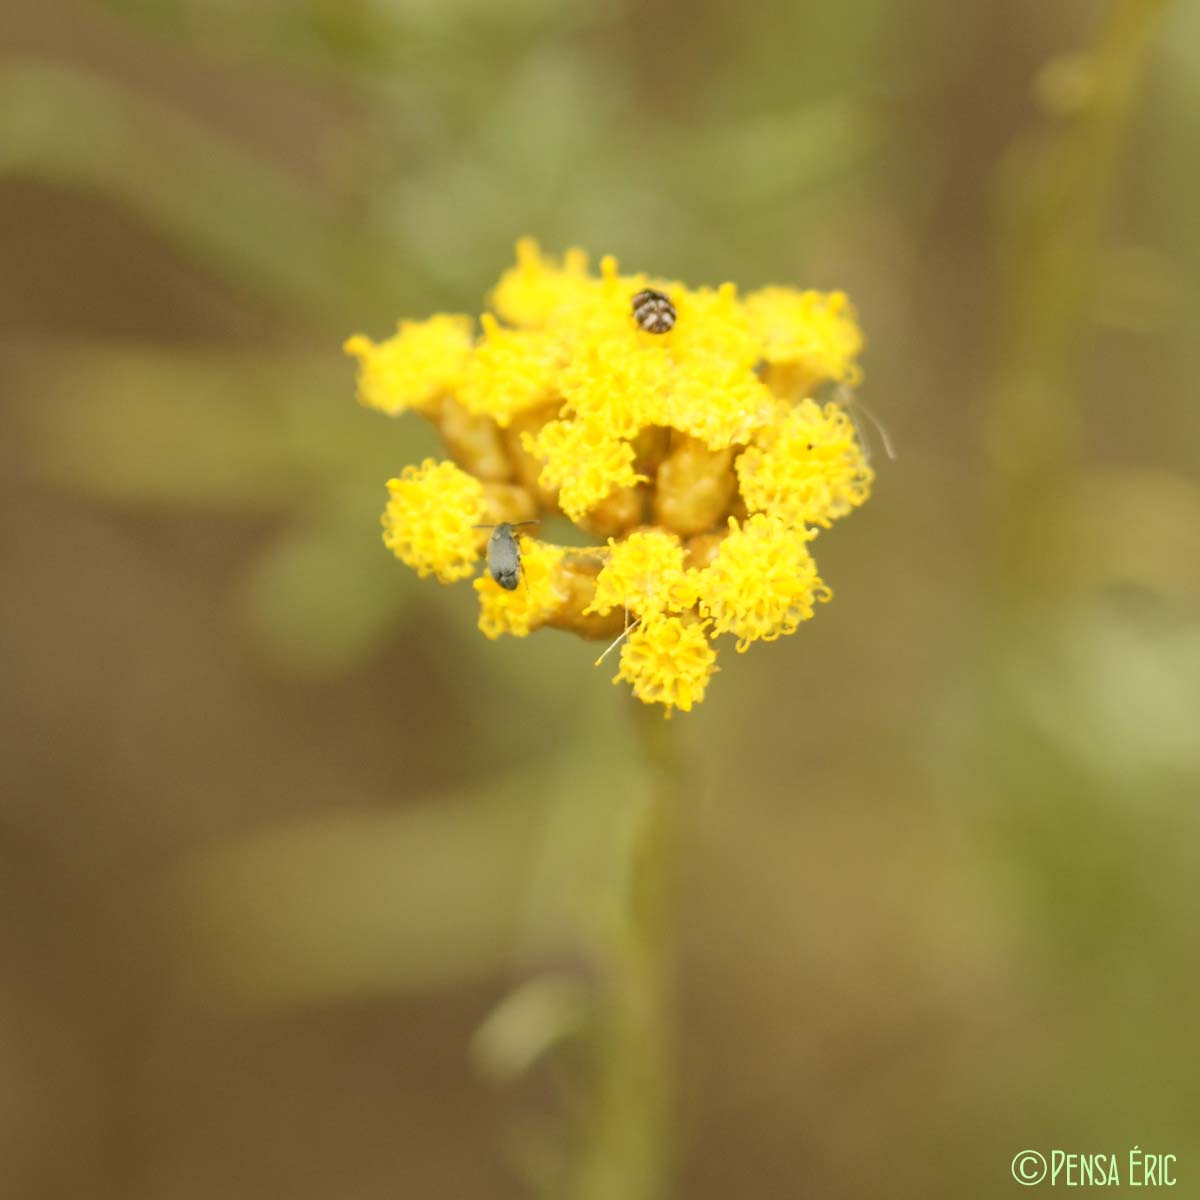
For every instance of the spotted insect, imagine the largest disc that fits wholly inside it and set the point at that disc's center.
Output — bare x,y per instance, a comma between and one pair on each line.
653,311
504,554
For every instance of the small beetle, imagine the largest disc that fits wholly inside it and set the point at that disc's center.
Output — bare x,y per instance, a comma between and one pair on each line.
504,554
653,311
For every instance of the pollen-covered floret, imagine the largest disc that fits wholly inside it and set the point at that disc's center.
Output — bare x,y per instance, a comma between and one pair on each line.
668,661
617,382
714,326
584,460
429,519
719,404
807,468
537,290
645,575
537,596
511,371
615,400
762,583
415,366
814,333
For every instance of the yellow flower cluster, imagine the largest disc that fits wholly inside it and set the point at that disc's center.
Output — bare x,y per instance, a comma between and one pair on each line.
415,367
429,519
762,582
698,452
542,591
647,567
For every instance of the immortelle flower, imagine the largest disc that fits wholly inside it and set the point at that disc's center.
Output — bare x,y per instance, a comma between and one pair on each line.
697,456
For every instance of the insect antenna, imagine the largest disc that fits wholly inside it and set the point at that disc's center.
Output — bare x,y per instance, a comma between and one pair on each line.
619,638
853,406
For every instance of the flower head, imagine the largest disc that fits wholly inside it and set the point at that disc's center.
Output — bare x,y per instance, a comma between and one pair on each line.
429,520
763,581
511,371
668,661
566,403
415,366
807,467
536,290
584,461
645,575
812,332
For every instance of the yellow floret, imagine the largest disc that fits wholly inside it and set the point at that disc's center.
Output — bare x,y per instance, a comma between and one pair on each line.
713,326
429,517
762,583
720,405
537,291
616,381
584,460
808,468
539,594
815,333
511,371
414,367
645,574
669,661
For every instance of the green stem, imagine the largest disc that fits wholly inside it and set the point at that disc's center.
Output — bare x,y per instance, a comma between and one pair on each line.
1056,197
629,1151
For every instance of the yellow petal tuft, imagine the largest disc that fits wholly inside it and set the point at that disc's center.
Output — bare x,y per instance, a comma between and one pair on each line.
616,380
511,371
415,366
814,332
668,661
719,404
429,517
584,460
714,326
538,289
762,583
808,468
645,575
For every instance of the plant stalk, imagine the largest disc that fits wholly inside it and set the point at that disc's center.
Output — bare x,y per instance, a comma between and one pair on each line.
630,1148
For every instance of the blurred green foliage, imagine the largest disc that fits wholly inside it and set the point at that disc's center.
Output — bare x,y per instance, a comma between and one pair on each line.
939,871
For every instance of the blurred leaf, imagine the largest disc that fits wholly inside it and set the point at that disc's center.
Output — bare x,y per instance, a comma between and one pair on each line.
360,904
459,887
1141,291
1119,700
325,596
226,207
1131,526
340,34
243,434
1054,190
805,149
203,430
528,1023
153,428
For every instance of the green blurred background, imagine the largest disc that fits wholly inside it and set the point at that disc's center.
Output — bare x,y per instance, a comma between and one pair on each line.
278,828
